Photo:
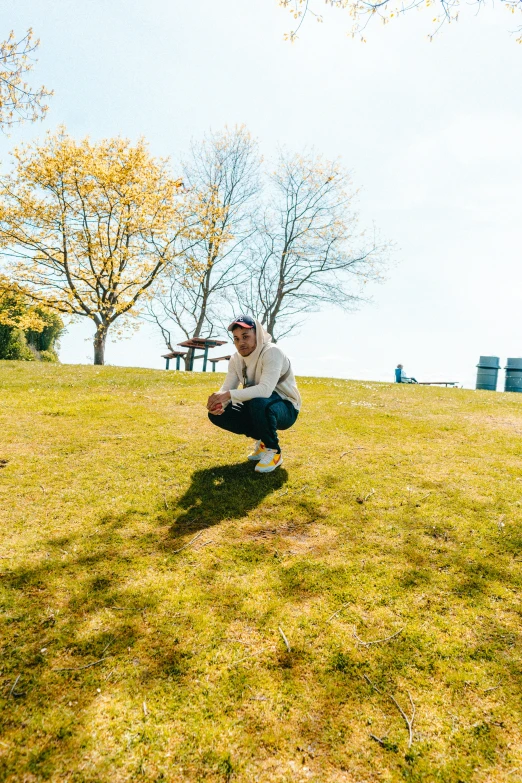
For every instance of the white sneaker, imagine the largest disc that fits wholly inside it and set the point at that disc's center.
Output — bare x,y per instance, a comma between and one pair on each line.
269,461
257,450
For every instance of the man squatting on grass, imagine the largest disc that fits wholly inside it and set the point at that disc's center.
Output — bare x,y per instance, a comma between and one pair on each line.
269,400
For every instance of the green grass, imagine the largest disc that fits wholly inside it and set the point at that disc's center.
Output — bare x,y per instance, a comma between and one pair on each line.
398,509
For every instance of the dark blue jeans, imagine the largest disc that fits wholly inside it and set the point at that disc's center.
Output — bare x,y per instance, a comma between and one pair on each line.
259,419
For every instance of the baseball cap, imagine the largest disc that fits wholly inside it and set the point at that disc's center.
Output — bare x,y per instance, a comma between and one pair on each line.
243,320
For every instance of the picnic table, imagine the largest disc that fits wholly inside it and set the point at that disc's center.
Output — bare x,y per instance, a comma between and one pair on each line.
202,344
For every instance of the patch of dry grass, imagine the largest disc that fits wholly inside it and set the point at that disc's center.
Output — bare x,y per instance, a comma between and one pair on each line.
146,570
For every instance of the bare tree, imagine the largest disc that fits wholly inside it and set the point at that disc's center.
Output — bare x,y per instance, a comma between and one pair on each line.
222,179
308,251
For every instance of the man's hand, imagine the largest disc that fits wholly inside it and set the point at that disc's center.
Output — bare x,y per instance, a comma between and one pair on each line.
216,402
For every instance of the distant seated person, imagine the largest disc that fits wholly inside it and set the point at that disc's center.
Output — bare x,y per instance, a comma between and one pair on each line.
401,377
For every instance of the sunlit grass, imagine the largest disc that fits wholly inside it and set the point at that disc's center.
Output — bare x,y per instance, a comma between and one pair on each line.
146,571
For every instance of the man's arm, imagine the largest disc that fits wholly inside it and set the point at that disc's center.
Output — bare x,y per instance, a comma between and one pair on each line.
232,378
216,402
271,370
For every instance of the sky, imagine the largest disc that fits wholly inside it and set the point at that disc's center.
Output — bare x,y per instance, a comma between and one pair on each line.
430,131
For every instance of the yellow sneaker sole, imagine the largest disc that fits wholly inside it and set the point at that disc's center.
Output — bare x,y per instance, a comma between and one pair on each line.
270,467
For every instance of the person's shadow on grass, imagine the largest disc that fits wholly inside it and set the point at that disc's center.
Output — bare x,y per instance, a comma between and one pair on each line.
223,492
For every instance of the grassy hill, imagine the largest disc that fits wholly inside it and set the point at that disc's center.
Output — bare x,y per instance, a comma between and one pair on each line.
148,576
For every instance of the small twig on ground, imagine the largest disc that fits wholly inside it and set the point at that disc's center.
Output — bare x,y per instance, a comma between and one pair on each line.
366,497
337,612
375,688
379,740
355,448
79,668
106,647
191,522
175,552
408,721
494,688
165,501
42,488
12,692
376,641
292,491
145,711
284,638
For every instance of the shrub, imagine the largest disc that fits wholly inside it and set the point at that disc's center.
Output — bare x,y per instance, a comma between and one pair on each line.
27,332
49,356
13,345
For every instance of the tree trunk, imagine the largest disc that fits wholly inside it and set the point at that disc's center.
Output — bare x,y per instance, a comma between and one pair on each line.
197,331
99,344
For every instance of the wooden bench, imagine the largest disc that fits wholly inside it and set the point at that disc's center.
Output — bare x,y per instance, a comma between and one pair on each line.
177,355
438,383
218,359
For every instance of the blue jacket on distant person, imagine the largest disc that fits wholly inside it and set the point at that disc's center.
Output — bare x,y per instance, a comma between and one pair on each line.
401,377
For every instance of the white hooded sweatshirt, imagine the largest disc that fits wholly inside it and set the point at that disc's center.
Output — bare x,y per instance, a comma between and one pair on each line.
264,367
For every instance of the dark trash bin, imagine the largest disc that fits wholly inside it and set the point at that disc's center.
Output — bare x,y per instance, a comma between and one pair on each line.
513,382
487,372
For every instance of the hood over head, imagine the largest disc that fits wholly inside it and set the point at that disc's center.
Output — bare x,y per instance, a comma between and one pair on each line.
262,339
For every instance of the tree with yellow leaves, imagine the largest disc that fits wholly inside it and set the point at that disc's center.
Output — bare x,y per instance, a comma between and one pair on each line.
15,312
362,12
18,100
87,227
